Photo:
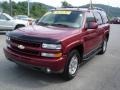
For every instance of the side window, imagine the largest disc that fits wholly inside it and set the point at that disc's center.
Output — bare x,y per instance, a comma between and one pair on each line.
3,17
90,16
98,18
104,17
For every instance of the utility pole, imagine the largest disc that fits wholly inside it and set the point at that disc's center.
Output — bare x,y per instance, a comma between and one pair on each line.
108,9
10,7
0,7
28,7
91,6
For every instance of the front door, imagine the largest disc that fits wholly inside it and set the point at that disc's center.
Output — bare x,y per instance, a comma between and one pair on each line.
90,36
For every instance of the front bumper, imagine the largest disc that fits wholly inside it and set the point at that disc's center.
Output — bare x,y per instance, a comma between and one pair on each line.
55,65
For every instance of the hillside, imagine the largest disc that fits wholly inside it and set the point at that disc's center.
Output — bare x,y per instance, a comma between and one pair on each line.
38,9
111,11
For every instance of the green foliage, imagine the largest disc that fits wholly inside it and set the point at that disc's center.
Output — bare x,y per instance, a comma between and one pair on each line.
6,7
66,4
20,8
37,10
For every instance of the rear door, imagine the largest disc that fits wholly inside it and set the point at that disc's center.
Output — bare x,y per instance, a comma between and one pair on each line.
105,21
102,26
100,29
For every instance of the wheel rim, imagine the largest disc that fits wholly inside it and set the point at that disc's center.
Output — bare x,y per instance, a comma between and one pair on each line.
73,65
104,45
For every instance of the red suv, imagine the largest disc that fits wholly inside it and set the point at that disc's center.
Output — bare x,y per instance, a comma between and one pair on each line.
61,40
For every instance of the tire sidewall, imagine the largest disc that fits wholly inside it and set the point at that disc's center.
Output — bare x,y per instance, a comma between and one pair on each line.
67,74
104,43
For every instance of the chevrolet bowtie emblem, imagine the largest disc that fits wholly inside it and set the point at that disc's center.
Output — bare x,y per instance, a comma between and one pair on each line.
21,47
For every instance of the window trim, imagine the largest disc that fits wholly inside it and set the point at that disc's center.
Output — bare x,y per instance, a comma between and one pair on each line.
96,18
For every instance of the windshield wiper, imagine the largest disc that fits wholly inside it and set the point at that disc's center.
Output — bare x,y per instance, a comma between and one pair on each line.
58,24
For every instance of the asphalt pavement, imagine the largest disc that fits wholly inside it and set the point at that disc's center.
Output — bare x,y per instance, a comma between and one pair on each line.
100,73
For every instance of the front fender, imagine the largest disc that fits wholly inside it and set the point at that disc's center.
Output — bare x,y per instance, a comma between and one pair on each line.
72,45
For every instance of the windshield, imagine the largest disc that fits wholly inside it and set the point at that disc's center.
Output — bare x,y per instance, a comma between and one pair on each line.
8,16
62,18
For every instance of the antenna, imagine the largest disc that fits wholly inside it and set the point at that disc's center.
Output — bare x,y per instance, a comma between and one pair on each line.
10,1
91,4
28,7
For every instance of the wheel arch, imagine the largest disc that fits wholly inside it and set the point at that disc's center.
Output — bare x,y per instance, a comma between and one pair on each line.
80,49
21,25
107,36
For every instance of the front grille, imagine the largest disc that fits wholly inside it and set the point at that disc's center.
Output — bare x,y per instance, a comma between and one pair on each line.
26,51
26,43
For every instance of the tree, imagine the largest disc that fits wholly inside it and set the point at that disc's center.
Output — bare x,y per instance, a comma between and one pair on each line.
20,8
37,10
66,4
5,7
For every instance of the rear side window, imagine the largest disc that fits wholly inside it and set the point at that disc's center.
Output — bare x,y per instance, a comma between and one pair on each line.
98,18
104,17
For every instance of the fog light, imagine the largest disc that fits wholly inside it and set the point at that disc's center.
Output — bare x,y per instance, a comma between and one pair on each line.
56,55
48,70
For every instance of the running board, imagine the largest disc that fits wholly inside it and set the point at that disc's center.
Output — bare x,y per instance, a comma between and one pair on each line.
88,57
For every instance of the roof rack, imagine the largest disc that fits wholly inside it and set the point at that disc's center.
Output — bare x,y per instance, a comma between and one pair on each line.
97,8
70,7
93,8
67,7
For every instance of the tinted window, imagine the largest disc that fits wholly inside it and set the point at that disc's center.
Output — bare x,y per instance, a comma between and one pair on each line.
3,17
90,16
98,18
104,17
66,18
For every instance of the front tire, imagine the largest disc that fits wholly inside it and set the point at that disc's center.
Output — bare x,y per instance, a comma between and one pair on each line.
72,65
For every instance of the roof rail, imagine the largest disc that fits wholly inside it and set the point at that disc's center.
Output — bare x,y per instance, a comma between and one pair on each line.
70,7
97,8
93,8
66,7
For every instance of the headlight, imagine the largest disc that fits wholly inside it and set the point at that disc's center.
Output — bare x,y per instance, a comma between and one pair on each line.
7,41
52,46
8,38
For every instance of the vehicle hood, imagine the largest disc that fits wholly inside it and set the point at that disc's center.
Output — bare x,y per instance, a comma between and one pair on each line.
50,32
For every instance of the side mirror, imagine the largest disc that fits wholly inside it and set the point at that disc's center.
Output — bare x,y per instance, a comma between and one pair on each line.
91,25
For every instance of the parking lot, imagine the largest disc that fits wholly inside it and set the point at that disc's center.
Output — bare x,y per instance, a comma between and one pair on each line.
100,73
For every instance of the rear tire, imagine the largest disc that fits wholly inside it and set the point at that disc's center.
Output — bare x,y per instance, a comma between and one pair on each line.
71,67
104,47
